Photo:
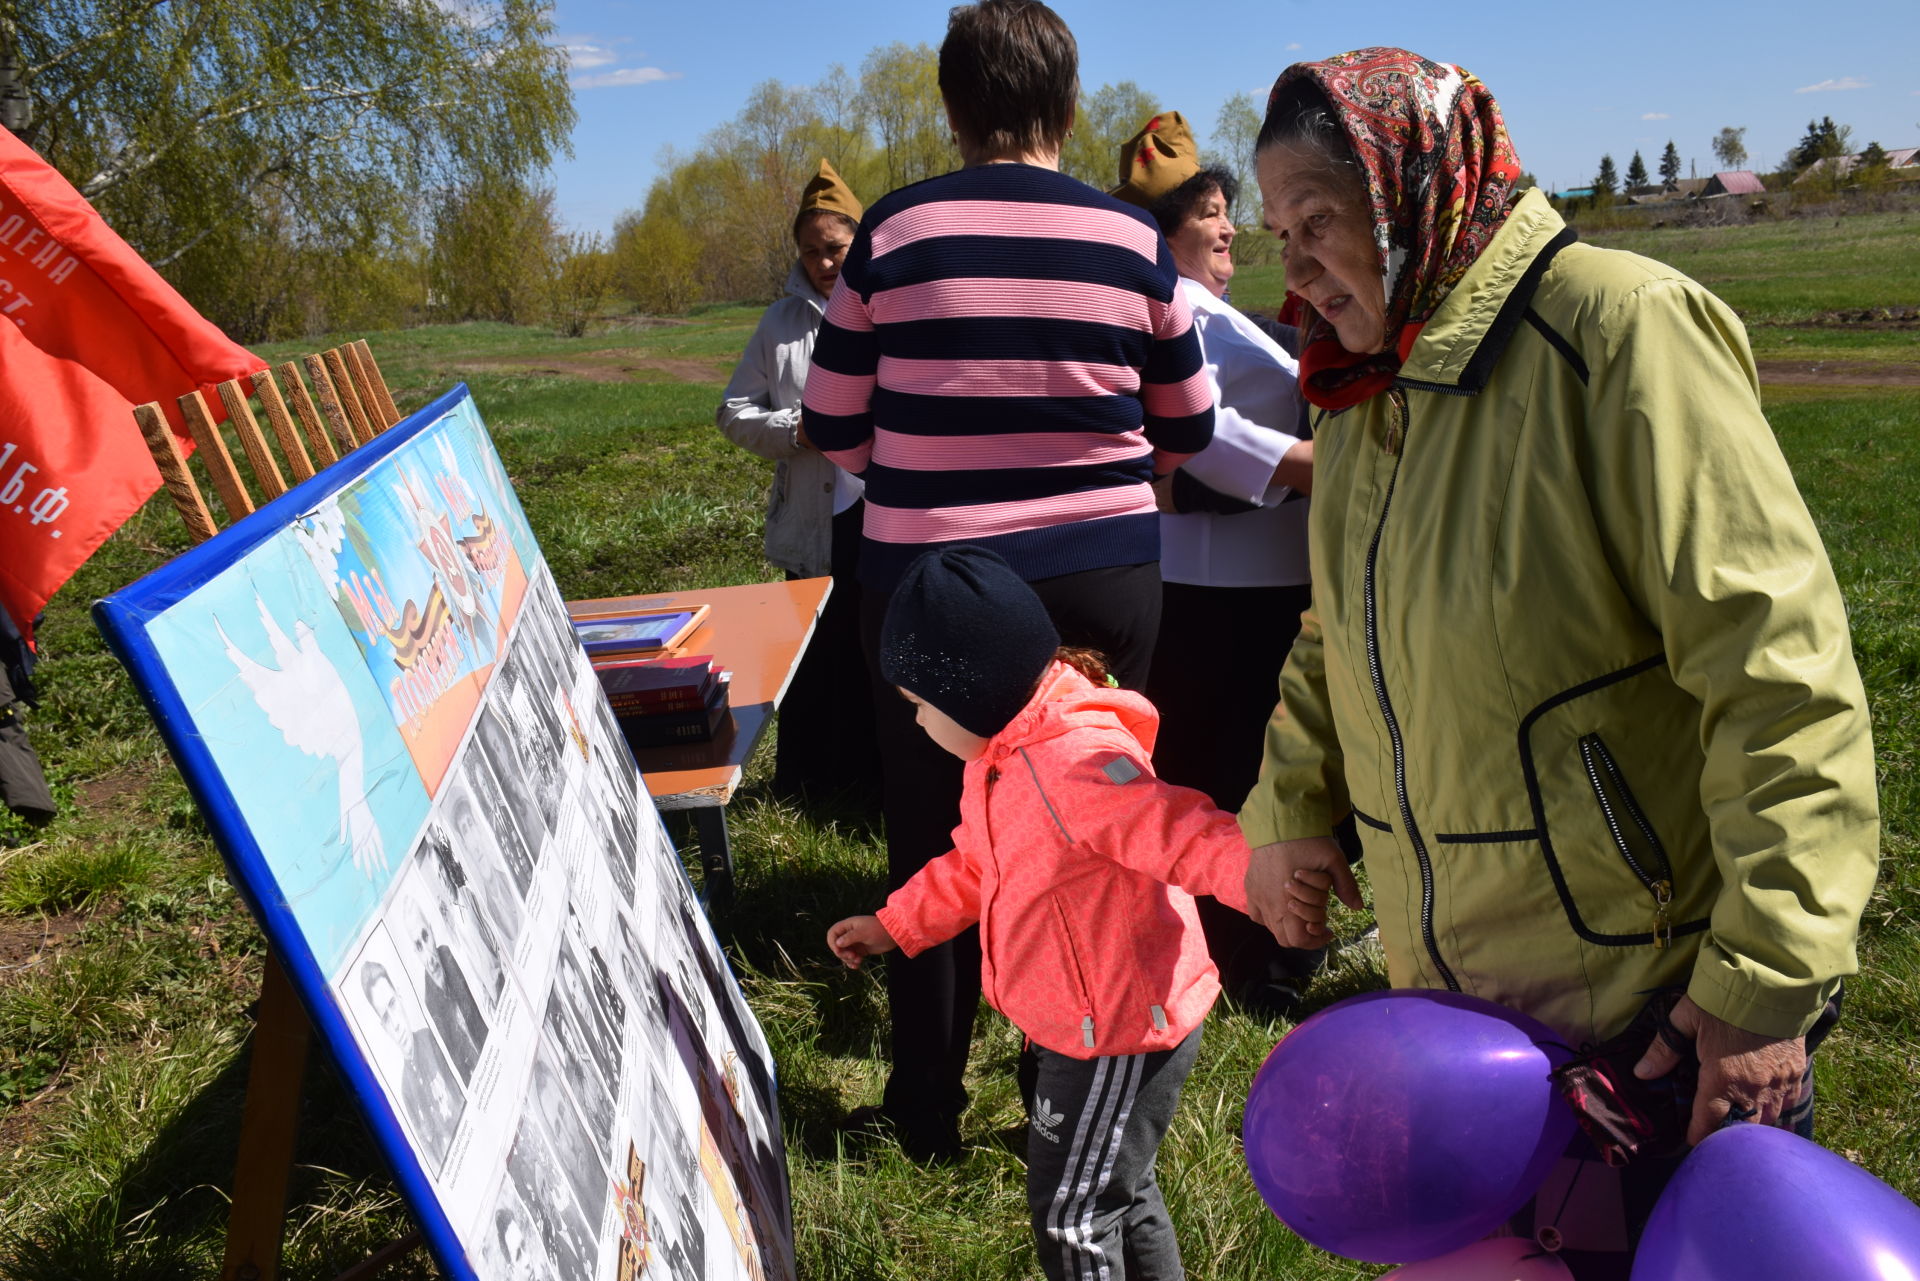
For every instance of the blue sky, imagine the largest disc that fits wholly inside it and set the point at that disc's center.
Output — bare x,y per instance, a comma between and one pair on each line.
1574,81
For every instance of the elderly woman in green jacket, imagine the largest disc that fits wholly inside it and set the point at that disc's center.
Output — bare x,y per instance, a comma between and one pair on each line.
1577,662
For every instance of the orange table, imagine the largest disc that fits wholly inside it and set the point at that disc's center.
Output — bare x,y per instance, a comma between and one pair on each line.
758,633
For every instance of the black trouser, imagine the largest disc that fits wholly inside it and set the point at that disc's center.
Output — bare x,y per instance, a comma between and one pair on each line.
1215,680
1599,1211
1093,1130
933,997
825,741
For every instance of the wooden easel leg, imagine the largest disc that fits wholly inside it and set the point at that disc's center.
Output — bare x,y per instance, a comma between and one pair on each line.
391,1253
269,1124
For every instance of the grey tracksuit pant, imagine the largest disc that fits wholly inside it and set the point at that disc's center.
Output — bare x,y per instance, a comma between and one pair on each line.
1093,1129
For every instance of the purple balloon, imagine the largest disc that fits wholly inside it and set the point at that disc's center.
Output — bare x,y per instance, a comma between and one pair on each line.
1753,1203
1397,1126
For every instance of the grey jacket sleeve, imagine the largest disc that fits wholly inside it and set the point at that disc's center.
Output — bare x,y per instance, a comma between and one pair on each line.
746,412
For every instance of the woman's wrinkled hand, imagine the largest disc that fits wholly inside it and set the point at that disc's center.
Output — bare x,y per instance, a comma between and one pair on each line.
1760,1075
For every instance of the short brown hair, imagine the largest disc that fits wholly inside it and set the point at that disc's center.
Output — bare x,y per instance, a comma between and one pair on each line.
1172,210
801,219
1010,74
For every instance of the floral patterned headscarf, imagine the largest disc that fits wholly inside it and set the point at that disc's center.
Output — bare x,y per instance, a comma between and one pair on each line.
1439,170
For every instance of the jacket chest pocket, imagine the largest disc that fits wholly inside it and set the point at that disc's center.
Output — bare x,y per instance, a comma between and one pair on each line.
1630,834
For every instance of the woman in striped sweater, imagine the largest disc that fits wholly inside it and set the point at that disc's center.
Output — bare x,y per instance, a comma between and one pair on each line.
1007,362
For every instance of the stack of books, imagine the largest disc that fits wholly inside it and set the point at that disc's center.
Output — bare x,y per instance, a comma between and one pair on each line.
662,701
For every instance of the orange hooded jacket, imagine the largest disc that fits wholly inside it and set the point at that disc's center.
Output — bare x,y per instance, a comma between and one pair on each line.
1080,867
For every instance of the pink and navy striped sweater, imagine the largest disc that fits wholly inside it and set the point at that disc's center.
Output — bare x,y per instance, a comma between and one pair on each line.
1007,361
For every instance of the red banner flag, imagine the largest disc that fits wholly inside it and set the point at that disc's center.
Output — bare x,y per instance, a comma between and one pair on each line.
63,489
79,296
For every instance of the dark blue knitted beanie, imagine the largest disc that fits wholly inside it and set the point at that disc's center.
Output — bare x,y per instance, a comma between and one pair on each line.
966,633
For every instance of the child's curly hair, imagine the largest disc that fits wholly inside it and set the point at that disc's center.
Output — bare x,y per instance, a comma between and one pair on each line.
1090,663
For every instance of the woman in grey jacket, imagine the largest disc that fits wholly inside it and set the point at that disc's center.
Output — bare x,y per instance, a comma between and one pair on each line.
814,510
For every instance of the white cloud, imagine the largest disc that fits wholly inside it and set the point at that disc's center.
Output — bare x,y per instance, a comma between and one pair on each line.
1291,47
624,76
583,55
1655,115
1825,86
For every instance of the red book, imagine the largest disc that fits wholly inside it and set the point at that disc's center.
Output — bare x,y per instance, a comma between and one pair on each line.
690,726
631,682
644,704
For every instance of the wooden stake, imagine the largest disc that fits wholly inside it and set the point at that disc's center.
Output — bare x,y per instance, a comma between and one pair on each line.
310,424
330,403
265,470
214,455
363,389
283,428
349,398
269,1127
379,382
173,470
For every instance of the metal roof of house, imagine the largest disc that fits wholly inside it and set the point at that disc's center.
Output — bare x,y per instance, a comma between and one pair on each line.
1736,182
1900,159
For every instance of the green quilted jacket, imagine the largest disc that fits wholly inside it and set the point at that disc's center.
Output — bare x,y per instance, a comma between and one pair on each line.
1577,662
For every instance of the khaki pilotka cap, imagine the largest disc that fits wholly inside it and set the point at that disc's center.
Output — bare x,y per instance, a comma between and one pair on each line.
1156,160
826,191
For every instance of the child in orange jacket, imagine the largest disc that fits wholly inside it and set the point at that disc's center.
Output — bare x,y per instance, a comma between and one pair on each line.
1080,867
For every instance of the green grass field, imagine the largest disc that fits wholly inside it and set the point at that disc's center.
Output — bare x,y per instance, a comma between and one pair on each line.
1781,276
127,964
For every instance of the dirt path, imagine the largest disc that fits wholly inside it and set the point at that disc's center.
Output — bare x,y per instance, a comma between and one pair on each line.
613,366
1838,373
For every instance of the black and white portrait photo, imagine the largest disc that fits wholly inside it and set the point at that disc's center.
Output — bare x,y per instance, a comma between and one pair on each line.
440,883
482,863
583,1004
577,1149
516,771
547,1193
444,988
430,1099
584,1074
514,1249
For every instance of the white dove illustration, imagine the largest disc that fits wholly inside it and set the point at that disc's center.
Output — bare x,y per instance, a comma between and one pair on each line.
307,701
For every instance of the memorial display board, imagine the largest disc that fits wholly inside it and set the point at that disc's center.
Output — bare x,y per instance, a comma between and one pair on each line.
373,690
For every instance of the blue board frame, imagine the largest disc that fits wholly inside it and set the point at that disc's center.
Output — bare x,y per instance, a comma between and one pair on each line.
122,619
708,1064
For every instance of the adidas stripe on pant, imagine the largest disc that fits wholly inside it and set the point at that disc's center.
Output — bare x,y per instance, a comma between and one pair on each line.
1093,1129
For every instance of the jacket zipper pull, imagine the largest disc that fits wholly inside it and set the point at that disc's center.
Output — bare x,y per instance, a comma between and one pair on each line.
1396,419
993,776
1086,1030
1662,923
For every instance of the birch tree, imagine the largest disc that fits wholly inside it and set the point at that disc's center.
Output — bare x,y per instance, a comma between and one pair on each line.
186,121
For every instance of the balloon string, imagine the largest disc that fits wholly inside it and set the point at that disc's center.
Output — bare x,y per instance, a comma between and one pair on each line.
1579,1168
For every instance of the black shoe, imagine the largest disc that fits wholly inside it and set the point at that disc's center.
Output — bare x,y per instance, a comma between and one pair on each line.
1271,999
933,1143
1297,964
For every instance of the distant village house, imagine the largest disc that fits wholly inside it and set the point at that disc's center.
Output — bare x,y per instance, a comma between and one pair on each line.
1907,159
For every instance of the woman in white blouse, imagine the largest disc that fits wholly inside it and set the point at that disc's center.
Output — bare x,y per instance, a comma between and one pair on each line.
1233,539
